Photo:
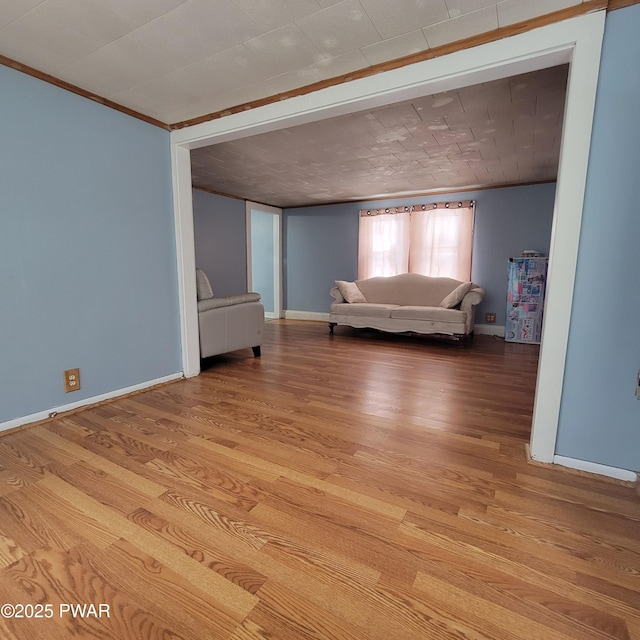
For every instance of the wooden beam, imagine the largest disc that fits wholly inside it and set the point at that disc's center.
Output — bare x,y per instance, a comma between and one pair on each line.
621,4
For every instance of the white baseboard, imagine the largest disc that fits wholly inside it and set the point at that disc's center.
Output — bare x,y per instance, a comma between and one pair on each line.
43,415
306,315
594,467
489,330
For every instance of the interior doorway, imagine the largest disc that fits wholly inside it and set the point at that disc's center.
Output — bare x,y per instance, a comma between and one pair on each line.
264,256
577,41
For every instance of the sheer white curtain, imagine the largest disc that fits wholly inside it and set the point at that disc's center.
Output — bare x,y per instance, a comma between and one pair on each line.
434,240
441,242
383,248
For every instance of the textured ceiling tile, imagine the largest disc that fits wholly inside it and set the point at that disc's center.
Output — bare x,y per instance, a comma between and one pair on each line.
140,63
293,80
31,40
491,94
470,119
418,154
270,14
467,25
140,11
538,83
326,162
437,105
398,47
106,72
196,30
392,19
443,151
551,102
383,160
512,11
397,115
89,18
340,65
391,147
359,122
513,110
458,7
170,94
536,124
450,137
218,102
340,28
284,49
327,3
421,142
11,10
233,68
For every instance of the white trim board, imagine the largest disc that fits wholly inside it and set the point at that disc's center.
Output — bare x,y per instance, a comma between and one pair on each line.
43,415
595,467
306,315
489,330
577,40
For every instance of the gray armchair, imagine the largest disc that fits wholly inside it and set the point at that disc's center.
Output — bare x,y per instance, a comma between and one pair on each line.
230,323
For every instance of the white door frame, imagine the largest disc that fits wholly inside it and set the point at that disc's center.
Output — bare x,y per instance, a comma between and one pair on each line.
277,254
577,41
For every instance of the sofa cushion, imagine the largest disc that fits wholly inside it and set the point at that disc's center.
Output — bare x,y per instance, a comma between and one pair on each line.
455,297
350,291
369,309
434,314
407,289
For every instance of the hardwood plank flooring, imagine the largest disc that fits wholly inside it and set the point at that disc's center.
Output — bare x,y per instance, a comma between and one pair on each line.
359,486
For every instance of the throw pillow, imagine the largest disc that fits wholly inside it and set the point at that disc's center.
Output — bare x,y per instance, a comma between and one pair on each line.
350,291
455,297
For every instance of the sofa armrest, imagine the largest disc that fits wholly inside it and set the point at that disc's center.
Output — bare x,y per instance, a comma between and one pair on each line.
473,297
216,303
336,295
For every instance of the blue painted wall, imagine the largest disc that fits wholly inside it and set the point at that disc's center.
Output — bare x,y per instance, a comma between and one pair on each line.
321,243
600,417
87,249
220,230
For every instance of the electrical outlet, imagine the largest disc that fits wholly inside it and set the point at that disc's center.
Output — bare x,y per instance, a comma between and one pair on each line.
490,318
71,380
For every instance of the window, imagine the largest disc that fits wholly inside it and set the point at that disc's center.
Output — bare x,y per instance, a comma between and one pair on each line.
434,240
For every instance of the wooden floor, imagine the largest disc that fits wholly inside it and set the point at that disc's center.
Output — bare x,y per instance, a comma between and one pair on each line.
355,486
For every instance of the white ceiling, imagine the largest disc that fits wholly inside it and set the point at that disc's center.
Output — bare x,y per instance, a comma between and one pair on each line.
175,60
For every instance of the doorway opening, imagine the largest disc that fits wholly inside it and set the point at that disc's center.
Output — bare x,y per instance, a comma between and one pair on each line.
264,256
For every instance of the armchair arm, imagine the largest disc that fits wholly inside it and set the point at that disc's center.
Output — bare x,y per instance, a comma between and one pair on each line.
215,303
473,297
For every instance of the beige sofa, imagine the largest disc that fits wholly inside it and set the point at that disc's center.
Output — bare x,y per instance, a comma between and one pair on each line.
408,302
230,323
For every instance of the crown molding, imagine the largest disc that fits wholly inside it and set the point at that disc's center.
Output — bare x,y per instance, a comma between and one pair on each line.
67,86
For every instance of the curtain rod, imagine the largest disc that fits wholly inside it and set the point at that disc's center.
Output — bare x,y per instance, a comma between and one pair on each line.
454,204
